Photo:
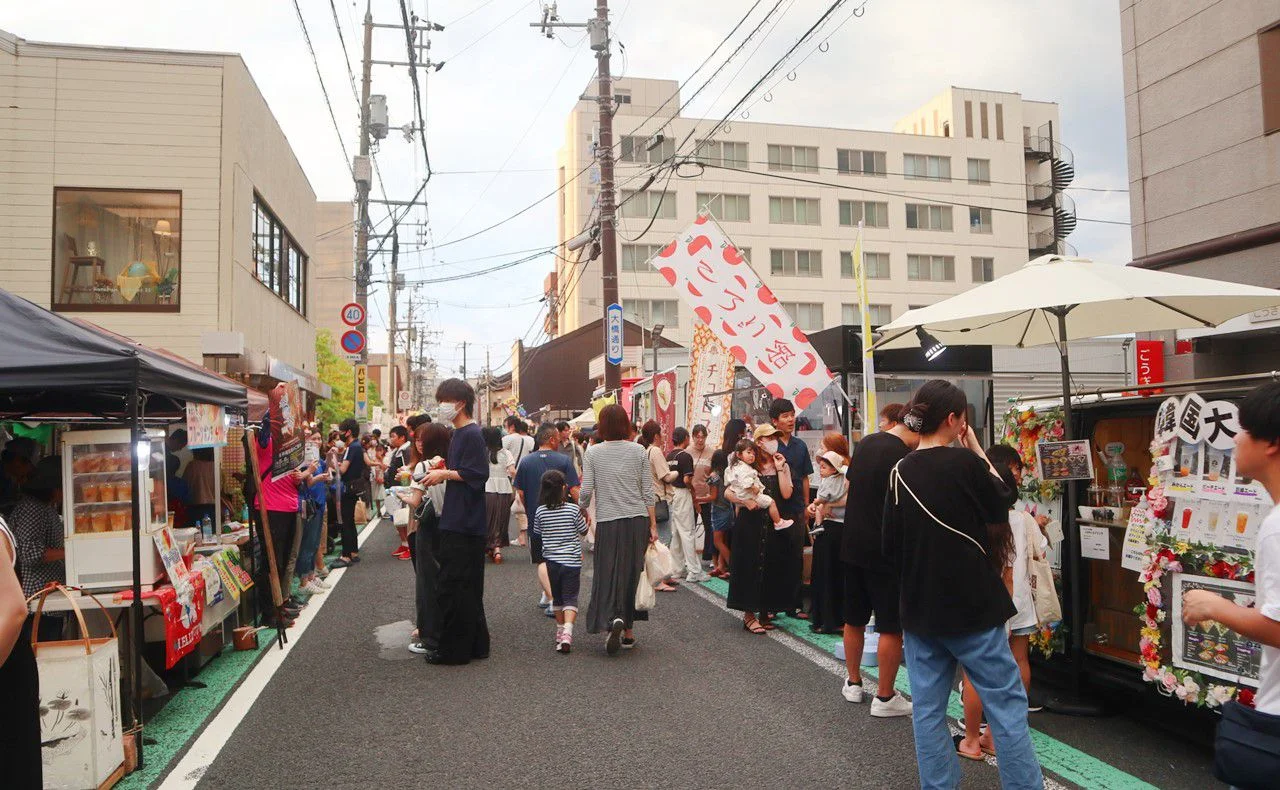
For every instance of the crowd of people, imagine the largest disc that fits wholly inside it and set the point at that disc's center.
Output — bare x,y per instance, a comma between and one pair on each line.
915,533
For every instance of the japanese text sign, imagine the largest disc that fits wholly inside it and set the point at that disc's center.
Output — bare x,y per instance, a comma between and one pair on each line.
713,278
1193,420
206,426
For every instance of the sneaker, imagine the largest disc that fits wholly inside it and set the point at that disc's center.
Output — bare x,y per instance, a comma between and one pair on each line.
1034,708
628,643
321,583
614,641
417,648
564,642
852,692
783,524
896,706
323,573
698,578
313,588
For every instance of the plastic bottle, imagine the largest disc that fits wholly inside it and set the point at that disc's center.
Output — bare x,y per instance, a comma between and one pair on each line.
206,530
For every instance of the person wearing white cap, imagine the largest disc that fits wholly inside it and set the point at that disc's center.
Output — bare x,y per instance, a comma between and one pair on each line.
826,614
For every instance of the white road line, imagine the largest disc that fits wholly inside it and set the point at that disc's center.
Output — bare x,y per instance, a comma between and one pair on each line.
827,661
191,768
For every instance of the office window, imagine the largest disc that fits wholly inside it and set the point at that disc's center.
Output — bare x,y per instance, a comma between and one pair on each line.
726,208
622,97
922,216
968,119
879,314
984,269
793,211
632,149
872,214
279,262
807,315
999,121
1269,66
979,220
929,168
650,312
800,159
982,117
643,205
724,153
979,171
877,264
867,163
635,257
116,250
931,268
795,263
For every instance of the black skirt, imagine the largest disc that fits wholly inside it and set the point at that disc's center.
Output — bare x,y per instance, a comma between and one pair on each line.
827,586
766,564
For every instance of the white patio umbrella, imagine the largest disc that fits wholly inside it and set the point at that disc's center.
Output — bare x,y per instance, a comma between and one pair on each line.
1055,299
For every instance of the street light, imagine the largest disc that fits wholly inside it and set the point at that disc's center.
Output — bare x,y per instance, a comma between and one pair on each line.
654,334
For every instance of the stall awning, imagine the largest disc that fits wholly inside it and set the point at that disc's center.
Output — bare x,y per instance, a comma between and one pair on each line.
52,364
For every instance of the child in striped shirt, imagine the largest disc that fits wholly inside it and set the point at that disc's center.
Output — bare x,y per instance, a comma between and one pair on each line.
560,524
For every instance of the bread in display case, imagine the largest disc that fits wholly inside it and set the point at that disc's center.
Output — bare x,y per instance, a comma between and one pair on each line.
98,493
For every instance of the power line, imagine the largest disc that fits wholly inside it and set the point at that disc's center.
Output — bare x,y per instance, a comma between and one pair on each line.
323,90
490,31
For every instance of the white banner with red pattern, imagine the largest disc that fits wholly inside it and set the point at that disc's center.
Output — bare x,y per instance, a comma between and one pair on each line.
724,291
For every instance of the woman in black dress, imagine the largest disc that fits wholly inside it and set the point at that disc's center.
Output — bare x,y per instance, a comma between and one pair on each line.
760,576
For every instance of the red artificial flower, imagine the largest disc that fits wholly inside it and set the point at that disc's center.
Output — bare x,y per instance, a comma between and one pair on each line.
1152,611
1245,696
1249,577
1219,569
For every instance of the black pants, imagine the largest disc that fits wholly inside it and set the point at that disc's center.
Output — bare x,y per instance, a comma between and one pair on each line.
350,535
464,633
332,512
709,546
282,527
424,550
19,715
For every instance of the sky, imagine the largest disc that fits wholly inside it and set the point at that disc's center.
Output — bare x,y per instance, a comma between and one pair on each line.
496,110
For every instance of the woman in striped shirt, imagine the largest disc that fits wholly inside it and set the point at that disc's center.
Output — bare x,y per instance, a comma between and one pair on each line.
616,475
560,525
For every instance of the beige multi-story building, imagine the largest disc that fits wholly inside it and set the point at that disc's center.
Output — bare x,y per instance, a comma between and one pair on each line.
963,190
152,192
1202,109
332,265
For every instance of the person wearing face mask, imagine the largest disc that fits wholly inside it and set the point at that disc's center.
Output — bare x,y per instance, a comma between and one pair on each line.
355,486
464,633
946,527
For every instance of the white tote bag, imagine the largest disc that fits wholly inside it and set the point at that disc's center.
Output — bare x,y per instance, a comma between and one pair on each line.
645,596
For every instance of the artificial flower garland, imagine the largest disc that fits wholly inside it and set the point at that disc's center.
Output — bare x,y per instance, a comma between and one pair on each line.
1165,554
1024,428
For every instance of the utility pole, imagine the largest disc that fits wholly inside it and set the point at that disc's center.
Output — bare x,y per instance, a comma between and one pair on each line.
464,360
364,177
488,387
393,399
598,30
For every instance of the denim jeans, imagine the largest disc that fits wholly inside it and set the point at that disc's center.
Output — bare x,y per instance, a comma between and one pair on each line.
310,543
985,656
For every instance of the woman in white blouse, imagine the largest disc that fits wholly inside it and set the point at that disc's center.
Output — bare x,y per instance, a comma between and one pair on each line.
498,493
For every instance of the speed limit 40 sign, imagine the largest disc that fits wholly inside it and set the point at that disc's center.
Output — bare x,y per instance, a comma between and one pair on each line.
353,314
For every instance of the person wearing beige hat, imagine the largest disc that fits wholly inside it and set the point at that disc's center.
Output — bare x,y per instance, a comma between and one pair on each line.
760,579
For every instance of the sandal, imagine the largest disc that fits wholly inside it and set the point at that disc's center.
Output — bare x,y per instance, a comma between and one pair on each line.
664,587
497,558
753,625
767,624
957,740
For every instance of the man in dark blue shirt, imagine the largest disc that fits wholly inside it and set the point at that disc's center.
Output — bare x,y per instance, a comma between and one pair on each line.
528,484
782,415
464,632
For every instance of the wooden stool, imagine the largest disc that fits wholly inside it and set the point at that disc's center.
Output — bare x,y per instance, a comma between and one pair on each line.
97,269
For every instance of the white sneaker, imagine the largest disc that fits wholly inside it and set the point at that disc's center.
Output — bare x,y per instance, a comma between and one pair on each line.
896,706
321,583
417,648
314,589
697,578
852,692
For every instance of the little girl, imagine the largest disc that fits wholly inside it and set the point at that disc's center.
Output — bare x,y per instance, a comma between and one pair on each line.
743,481
828,504
561,525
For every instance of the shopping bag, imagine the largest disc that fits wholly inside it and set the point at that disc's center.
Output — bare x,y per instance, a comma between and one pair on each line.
80,726
645,596
362,512
699,536
1048,608
657,562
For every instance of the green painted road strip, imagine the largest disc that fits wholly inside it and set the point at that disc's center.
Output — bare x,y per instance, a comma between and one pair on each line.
1055,756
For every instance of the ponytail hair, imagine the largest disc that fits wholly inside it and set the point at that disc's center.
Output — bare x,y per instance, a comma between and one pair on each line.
932,404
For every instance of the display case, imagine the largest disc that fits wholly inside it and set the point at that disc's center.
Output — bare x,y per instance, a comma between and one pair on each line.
97,510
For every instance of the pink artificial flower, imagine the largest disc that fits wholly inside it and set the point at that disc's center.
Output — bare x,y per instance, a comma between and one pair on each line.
1153,596
1175,567
1151,674
1169,681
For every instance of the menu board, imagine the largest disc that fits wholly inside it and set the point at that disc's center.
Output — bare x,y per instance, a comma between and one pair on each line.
1064,460
1210,647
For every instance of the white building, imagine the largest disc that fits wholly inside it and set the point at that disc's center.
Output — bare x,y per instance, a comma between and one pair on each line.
960,192
153,192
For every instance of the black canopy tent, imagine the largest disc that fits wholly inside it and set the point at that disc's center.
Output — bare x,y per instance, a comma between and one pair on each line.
54,368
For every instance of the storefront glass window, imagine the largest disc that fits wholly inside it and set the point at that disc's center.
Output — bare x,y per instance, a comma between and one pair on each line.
116,249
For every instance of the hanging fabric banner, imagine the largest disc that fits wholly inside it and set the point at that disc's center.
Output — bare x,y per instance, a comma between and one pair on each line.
713,278
664,406
710,370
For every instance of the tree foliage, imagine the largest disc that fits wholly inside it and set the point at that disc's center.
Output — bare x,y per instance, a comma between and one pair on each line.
339,374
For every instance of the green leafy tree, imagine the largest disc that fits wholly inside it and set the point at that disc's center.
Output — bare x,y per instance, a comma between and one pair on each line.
340,375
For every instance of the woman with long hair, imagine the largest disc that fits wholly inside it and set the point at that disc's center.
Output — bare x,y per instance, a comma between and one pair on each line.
616,476
942,500
430,448
734,430
498,493
651,440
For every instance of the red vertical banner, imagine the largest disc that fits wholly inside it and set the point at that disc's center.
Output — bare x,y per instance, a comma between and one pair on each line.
664,405
1149,361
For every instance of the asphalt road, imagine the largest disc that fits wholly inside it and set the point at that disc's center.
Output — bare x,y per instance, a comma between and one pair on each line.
698,703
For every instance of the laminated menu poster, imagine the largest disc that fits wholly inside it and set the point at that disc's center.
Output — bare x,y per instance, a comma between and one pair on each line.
1210,647
1135,537
1216,471
287,428
1186,469
1064,460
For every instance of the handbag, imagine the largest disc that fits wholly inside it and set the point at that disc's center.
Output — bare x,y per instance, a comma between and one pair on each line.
661,510
362,512
1246,751
1043,593
645,596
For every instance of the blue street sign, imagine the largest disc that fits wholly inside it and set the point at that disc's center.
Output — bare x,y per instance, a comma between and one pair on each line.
613,334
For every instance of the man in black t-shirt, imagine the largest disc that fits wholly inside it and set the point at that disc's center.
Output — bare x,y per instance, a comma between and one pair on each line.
355,486
871,583
684,552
